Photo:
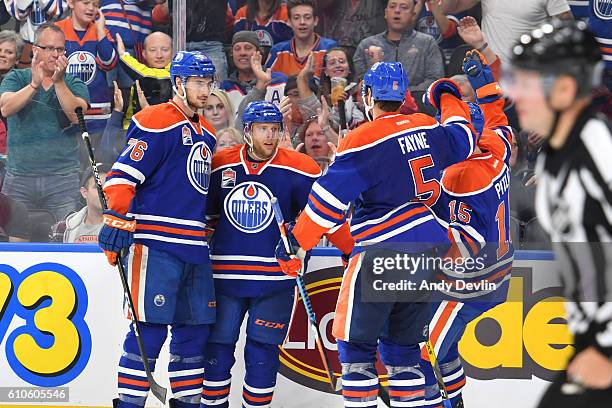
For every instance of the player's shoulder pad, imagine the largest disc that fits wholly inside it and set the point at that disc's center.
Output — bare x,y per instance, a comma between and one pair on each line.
473,175
297,162
158,118
227,157
381,129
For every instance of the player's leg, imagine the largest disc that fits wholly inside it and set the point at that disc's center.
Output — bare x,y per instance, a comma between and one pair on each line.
357,326
186,366
195,313
154,278
220,350
447,325
400,352
267,328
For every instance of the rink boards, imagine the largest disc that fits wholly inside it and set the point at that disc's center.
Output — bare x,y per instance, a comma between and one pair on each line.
62,325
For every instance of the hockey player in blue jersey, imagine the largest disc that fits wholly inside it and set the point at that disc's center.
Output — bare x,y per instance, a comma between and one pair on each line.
390,168
157,193
476,207
247,275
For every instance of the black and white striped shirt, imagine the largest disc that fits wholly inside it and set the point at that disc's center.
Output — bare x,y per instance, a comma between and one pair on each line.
574,205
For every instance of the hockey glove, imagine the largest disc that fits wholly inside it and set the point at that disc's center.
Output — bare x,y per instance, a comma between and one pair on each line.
439,87
291,265
116,234
481,77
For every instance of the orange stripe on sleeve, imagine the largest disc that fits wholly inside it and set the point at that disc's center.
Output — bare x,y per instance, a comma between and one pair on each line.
324,209
392,221
307,232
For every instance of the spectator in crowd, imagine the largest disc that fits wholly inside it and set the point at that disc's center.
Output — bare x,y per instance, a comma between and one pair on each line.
132,20
11,47
83,226
442,27
227,138
314,140
209,25
219,110
91,53
526,229
14,220
113,138
418,52
39,102
152,83
350,21
289,57
267,18
600,22
32,14
244,45
336,64
503,21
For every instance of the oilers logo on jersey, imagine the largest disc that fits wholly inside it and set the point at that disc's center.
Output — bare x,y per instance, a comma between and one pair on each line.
82,64
603,9
199,166
248,207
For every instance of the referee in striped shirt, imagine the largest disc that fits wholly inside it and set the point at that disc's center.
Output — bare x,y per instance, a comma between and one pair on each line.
553,71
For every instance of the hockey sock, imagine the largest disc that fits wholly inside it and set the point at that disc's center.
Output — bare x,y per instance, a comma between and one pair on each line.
452,374
261,361
186,367
406,380
217,377
133,385
359,377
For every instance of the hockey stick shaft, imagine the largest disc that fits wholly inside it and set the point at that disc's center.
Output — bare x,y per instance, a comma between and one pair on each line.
158,391
312,319
438,374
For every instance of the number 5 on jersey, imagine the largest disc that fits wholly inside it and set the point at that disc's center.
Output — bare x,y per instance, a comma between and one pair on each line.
427,191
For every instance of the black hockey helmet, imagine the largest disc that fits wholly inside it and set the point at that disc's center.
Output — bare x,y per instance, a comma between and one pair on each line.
559,47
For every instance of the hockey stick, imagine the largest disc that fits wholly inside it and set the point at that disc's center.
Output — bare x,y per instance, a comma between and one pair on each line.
157,390
336,385
438,374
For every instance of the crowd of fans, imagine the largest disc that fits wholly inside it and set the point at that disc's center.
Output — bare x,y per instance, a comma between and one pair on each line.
111,57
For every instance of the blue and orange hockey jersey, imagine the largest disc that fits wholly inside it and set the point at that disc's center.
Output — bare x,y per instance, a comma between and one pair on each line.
282,57
246,234
270,32
477,205
391,168
89,60
131,19
162,178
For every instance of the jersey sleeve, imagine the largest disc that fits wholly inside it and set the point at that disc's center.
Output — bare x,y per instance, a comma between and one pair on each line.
349,175
455,140
141,156
106,55
466,241
272,58
497,134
